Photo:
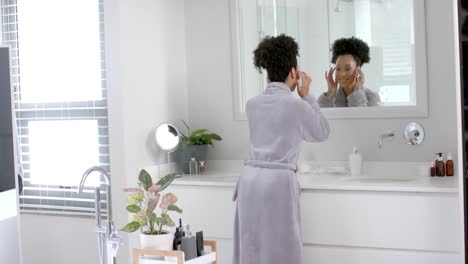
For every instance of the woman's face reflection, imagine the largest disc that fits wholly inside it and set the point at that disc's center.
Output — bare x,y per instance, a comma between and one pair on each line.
346,71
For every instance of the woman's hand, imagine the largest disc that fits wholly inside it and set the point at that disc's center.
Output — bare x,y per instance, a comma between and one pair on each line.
303,89
332,85
360,78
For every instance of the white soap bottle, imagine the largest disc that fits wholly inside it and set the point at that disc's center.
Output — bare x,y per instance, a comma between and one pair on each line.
355,162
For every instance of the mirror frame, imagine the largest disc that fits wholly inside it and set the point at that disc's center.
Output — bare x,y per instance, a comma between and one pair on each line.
418,110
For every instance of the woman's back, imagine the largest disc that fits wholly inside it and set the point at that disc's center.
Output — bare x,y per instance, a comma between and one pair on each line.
273,126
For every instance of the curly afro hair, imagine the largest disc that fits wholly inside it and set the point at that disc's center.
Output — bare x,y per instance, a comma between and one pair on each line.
351,46
277,55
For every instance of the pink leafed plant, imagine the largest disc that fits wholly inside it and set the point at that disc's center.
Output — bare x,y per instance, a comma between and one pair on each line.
143,202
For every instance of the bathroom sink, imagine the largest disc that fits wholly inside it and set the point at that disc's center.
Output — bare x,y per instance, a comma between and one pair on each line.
376,179
221,178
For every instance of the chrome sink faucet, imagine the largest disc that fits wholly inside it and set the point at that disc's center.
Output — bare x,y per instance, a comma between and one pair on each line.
106,234
389,134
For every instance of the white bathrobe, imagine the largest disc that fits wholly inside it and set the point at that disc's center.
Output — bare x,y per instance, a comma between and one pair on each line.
360,98
267,228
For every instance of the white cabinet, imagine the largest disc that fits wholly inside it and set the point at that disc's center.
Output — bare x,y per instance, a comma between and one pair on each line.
207,208
343,226
388,227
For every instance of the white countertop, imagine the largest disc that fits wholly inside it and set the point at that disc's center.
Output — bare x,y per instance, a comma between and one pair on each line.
334,182
379,176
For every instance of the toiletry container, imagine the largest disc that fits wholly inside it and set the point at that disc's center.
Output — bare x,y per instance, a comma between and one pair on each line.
193,166
179,233
188,244
355,162
201,167
439,165
200,244
449,165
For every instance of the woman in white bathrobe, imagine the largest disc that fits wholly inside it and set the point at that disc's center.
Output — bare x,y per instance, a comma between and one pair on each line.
267,227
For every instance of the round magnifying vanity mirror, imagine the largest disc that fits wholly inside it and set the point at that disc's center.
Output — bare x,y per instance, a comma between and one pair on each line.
167,138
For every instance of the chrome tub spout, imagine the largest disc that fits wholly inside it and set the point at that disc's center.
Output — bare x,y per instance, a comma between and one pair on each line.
107,236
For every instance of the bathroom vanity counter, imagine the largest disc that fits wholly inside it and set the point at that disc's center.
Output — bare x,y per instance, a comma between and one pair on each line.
394,214
332,175
310,181
378,183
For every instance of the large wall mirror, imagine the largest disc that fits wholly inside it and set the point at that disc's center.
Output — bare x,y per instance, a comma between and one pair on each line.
393,29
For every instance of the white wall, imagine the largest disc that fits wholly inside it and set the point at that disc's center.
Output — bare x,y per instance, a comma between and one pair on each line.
150,88
56,240
145,42
210,105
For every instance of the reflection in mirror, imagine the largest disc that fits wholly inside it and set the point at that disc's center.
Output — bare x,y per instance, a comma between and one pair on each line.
346,80
390,72
396,72
167,137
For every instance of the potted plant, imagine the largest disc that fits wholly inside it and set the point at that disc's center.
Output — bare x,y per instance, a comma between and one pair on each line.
193,145
142,204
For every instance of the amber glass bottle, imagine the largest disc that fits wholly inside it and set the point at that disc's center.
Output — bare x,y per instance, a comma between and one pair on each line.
449,165
439,165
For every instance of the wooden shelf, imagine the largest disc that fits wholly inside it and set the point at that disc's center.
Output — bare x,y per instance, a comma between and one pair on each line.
147,256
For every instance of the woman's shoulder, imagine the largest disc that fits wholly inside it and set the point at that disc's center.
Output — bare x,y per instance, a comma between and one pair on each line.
372,97
369,91
370,94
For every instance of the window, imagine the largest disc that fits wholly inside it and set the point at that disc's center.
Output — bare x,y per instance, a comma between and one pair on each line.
60,99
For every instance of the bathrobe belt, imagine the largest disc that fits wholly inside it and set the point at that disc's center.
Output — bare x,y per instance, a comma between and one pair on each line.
271,165
266,165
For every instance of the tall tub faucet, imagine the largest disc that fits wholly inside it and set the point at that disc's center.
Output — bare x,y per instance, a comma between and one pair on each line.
108,237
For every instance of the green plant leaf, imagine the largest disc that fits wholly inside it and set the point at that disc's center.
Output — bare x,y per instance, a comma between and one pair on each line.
215,137
135,198
131,227
198,131
199,141
167,220
206,139
152,216
158,220
173,207
145,179
165,181
133,208
142,220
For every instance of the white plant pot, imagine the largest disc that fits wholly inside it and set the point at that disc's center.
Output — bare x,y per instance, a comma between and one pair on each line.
162,242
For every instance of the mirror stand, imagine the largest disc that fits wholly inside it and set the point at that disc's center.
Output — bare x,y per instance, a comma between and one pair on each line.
167,138
178,174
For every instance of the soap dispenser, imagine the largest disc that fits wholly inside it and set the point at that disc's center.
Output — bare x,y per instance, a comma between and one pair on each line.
355,162
178,236
439,165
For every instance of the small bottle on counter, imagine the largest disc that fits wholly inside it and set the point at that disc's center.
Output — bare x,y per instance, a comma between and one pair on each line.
178,236
193,166
449,165
188,244
433,171
439,165
355,162
202,166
